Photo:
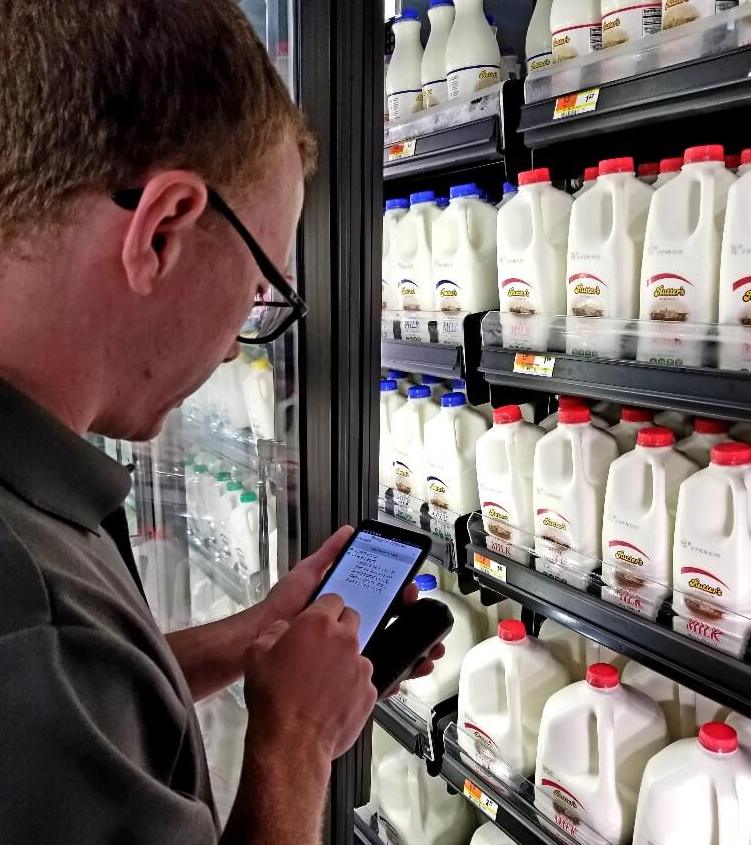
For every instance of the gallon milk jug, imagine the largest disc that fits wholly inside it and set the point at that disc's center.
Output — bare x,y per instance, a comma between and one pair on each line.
623,22
590,177
639,520
697,791
244,526
735,267
677,12
711,575
669,169
433,68
707,433
576,28
504,685
681,266
532,240
489,834
596,737
648,173
402,380
395,210
570,471
605,246
415,808
391,401
538,47
443,682
450,442
505,458
473,57
403,83
408,442
464,253
633,420
671,696
414,253
551,421
742,726
576,651
258,390
678,423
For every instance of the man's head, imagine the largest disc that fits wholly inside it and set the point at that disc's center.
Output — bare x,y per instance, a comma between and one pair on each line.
170,96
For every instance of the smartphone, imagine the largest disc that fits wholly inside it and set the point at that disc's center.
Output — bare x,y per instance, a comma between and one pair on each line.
372,571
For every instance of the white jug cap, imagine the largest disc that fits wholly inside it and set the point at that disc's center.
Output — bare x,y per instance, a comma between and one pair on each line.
602,676
718,738
655,437
731,454
512,630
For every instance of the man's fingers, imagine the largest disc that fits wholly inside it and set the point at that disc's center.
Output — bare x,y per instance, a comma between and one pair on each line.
321,560
423,668
410,594
330,604
438,652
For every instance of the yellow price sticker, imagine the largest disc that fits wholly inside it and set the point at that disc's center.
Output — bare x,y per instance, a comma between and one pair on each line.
573,104
477,797
402,149
490,567
534,365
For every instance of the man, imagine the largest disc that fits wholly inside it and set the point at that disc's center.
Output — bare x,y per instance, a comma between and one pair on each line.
123,283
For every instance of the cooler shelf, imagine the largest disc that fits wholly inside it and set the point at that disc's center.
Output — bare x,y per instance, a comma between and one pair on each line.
420,736
433,359
442,551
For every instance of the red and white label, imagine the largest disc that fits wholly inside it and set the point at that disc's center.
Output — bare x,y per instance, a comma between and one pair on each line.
630,22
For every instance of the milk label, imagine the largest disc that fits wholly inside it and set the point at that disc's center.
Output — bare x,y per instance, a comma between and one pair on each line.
669,295
541,61
435,93
677,12
449,296
463,82
587,293
404,103
580,40
630,22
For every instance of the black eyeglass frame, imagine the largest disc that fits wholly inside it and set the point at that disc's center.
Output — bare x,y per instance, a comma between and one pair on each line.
128,199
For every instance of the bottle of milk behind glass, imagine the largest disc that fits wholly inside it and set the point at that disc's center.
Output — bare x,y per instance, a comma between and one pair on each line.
433,68
473,57
403,83
395,210
538,45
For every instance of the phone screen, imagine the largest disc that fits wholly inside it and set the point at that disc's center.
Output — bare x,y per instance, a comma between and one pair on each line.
369,577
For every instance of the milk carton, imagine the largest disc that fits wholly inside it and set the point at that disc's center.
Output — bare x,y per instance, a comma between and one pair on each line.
590,177
538,47
669,169
504,685
576,651
735,264
674,700
680,270
596,737
633,420
697,791
707,433
711,576
433,68
395,210
473,57
414,253
606,240
403,83
391,401
532,240
489,834
570,471
551,421
639,520
408,446
464,253
576,28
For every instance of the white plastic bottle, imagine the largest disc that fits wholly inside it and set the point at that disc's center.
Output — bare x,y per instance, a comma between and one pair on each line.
243,532
677,12
414,253
258,390
648,172
433,68
639,520
596,737
576,651
707,433
402,380
408,444
403,83
437,388
606,240
696,791
538,46
450,442
391,401
576,28
473,57
464,253
678,423
590,177
681,266
195,496
532,241
395,210
489,834
669,169
570,472
509,192
735,266
551,421
623,22
669,694
504,685
632,421
742,726
711,577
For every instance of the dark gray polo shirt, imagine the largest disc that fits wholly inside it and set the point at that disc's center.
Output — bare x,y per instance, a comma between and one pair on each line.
99,741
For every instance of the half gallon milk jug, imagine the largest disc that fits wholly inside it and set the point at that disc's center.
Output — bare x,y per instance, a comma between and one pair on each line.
489,834
509,192
624,22
532,240
669,169
403,83
505,459
473,57
639,519
735,265
433,68
706,434
415,808
677,12
678,423
437,387
408,442
633,420
258,390
538,47
596,737
570,472
395,210
605,245
697,791
402,379
504,685
576,651
648,172
414,253
450,442
674,700
681,266
464,253
711,575
391,401
576,28
443,682
551,421
590,177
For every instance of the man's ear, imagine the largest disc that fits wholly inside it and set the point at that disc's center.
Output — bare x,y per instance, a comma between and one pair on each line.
169,209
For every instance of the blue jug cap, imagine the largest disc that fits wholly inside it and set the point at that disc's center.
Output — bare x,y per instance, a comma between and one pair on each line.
426,582
422,196
388,384
397,374
402,202
469,190
408,15
453,400
419,391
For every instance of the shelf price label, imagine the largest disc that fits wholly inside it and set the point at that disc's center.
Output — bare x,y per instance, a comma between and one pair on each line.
477,797
534,365
573,104
489,567
402,149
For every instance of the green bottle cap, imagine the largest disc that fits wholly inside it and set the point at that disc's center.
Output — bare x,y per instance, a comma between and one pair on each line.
223,476
234,486
200,468
248,498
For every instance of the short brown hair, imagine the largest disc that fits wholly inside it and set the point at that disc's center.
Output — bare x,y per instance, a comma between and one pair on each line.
94,93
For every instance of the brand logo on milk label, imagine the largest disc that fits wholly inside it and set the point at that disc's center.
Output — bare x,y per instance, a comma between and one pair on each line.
449,294
561,40
668,290
562,794
609,24
626,557
584,288
698,584
740,283
402,477
496,511
437,492
553,519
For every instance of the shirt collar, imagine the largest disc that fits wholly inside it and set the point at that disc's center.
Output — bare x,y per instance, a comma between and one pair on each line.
54,469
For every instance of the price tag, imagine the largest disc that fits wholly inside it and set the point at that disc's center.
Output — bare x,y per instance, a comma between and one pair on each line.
572,104
534,365
402,149
477,797
490,567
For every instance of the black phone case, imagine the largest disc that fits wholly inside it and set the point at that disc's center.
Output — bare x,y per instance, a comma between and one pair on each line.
395,650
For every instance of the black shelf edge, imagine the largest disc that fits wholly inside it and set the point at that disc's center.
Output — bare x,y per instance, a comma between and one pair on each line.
720,677
442,551
702,392
363,831
434,359
396,723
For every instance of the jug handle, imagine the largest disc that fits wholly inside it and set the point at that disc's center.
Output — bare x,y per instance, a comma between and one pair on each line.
538,222
606,748
740,503
706,205
619,218
577,459
658,485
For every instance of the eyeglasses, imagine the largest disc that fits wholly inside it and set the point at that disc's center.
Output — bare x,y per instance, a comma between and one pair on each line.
275,310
